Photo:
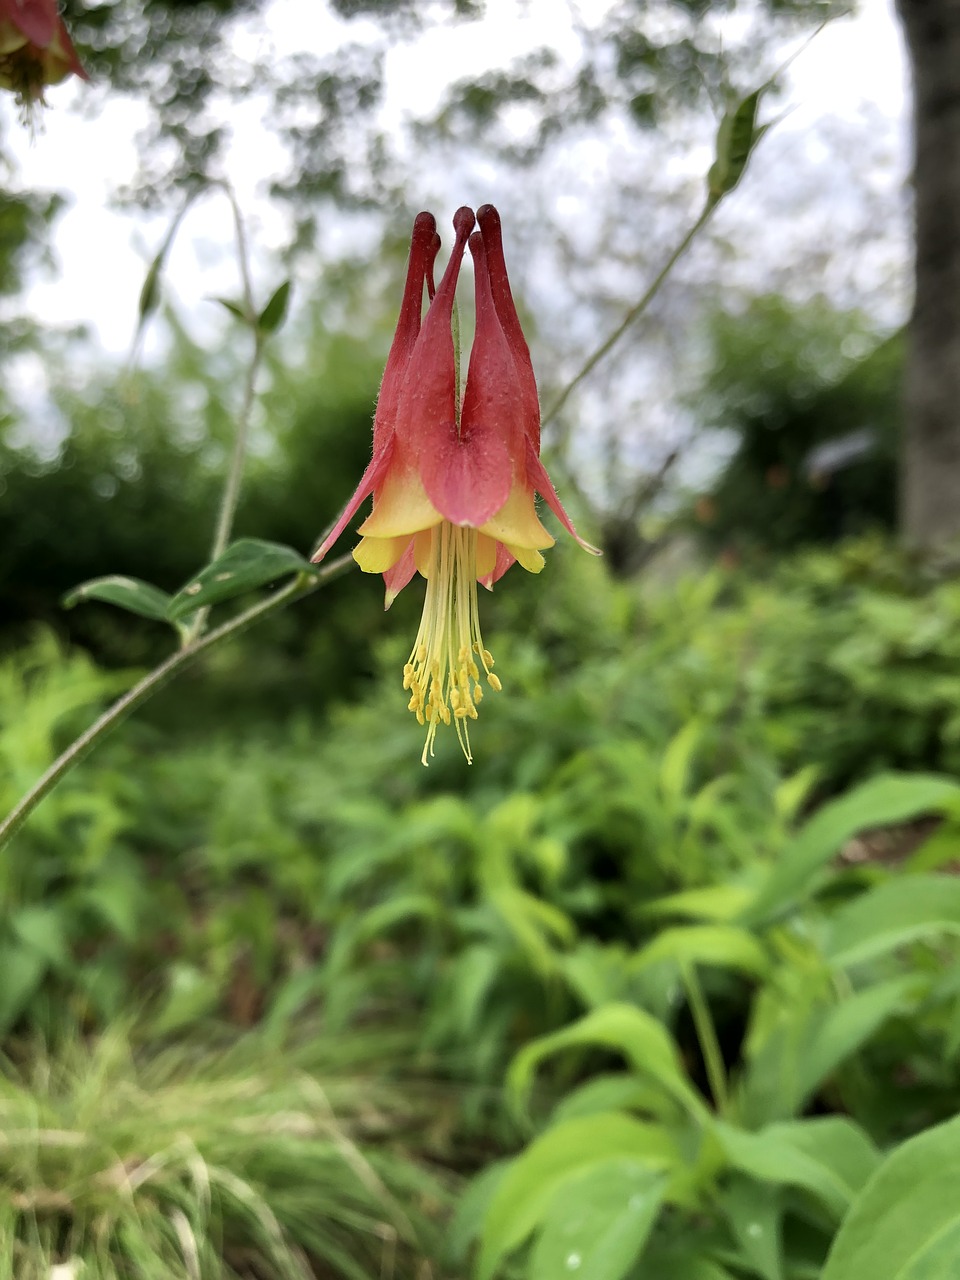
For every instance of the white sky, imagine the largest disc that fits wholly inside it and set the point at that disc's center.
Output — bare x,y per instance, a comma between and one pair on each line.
853,75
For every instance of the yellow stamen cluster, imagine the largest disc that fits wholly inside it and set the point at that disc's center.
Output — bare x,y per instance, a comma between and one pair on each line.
443,671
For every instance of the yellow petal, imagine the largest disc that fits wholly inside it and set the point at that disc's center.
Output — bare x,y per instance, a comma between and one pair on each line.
377,555
516,523
423,551
401,507
531,560
486,555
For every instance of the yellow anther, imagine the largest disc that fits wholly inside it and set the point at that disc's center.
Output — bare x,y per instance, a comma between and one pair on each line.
413,703
421,654
464,653
455,698
478,694
420,717
494,682
474,671
487,658
445,714
462,712
472,712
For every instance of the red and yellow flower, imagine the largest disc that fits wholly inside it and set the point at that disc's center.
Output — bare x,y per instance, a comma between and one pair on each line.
35,49
453,483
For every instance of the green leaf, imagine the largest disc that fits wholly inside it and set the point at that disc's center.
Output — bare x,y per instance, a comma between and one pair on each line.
801,1053
831,1158
235,308
717,902
724,946
753,1211
678,760
737,136
42,930
884,800
641,1038
892,915
126,593
245,565
905,1224
274,313
149,298
598,1222
522,1199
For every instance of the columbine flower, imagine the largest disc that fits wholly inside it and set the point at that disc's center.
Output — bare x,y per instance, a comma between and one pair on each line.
35,49
453,484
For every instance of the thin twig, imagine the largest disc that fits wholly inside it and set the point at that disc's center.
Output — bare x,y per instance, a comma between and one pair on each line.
636,310
301,586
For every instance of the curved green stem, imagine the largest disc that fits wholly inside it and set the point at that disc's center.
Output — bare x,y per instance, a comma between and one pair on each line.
635,311
301,586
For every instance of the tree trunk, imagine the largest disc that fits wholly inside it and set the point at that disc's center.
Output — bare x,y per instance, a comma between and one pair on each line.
930,494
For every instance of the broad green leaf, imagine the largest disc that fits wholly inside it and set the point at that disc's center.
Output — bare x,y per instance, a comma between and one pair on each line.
808,1046
521,1200
680,1264
905,1224
724,946
830,1158
245,565
641,1038
598,1222
893,914
127,593
718,902
837,1143
886,799
753,1211
620,1092
273,314
42,930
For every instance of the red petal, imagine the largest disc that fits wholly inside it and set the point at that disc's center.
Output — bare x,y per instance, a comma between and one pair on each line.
36,19
427,405
424,244
489,221
504,561
539,480
396,579
369,481
467,480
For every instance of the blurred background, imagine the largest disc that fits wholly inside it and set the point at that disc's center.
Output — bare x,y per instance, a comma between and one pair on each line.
254,892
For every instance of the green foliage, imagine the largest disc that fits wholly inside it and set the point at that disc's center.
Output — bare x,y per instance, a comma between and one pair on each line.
809,399
211,1163
718,991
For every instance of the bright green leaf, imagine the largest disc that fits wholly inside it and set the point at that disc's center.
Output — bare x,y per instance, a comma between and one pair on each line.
893,914
521,1200
273,314
598,1222
245,565
905,1224
127,593
884,800
724,946
641,1038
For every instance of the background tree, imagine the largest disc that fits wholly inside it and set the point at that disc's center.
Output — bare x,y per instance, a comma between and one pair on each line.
931,452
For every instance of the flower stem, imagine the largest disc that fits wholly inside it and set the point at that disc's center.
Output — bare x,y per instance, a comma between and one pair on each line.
635,311
301,586
238,456
707,1036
